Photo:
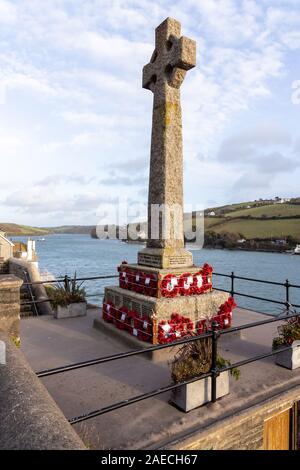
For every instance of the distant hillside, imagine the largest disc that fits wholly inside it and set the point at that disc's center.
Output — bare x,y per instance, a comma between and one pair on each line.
22,230
256,220
76,229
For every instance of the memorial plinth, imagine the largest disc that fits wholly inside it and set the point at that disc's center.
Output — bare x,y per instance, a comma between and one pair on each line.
165,296
196,308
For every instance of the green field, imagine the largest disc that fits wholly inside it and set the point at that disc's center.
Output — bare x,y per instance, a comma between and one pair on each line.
263,219
274,210
229,208
24,230
260,228
212,221
15,229
229,218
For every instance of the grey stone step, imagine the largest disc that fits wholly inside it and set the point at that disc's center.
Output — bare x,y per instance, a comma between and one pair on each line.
25,307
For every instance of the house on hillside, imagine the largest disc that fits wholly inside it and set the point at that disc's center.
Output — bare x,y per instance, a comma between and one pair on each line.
18,249
6,247
282,200
25,251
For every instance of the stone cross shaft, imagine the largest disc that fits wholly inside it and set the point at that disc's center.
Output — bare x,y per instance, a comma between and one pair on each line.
172,57
163,75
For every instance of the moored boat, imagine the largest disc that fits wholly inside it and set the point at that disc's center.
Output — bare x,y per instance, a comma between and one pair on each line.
297,250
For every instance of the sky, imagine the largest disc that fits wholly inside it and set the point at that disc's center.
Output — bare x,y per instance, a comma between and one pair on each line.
75,122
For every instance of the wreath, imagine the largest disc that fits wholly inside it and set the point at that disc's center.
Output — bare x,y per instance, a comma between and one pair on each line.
201,327
226,312
198,283
131,279
124,278
169,286
150,285
138,282
166,333
130,323
206,274
120,318
143,327
207,269
185,284
182,324
224,315
108,312
177,327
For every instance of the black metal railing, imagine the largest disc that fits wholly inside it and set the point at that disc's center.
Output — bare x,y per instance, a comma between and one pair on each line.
28,287
214,333
214,372
285,302
286,285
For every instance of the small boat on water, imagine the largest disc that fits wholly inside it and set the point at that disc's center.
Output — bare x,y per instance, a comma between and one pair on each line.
297,250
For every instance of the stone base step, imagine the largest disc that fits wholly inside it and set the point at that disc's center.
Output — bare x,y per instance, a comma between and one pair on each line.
196,307
4,268
26,310
131,342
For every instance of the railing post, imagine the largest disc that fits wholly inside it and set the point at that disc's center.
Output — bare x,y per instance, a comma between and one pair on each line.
29,289
287,295
10,305
66,283
214,357
232,276
154,329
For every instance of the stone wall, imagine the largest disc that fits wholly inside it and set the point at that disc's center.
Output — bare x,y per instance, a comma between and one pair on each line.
6,249
242,431
10,305
3,267
29,417
18,267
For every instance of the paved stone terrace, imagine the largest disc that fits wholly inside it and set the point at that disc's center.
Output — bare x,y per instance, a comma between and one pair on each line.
49,343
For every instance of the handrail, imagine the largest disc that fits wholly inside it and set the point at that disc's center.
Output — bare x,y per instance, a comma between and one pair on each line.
33,301
287,285
102,360
213,373
214,333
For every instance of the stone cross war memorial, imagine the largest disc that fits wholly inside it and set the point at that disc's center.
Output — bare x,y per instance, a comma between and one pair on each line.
161,298
165,296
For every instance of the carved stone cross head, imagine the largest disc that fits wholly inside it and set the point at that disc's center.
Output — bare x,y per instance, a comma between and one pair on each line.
172,57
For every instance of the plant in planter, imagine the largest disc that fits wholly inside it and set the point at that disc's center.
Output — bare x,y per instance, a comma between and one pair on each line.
193,360
288,335
68,300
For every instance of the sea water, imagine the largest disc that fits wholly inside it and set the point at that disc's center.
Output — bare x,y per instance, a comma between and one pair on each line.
88,257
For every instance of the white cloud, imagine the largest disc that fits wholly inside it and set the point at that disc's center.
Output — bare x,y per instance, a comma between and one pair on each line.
37,200
9,145
8,12
257,156
73,70
292,39
243,146
229,20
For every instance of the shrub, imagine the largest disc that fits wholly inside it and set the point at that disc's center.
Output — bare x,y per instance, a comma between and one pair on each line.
65,294
194,359
287,333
